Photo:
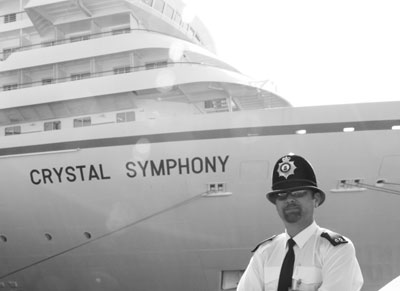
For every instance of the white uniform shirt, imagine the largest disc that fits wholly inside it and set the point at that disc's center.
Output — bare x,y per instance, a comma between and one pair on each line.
319,265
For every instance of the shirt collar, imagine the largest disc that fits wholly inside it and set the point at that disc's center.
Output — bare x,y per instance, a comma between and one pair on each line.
302,237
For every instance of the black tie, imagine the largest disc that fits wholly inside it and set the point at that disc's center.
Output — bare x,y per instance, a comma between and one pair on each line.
285,278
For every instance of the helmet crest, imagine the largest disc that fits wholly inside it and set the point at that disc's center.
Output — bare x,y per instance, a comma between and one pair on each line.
286,168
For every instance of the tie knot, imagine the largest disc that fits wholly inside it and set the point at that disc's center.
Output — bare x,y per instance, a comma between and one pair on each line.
291,243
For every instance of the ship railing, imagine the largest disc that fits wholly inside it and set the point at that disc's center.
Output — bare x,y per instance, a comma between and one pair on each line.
8,51
114,71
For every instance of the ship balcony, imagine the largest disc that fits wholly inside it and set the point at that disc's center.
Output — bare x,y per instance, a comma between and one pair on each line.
48,15
145,82
75,61
56,11
13,43
91,45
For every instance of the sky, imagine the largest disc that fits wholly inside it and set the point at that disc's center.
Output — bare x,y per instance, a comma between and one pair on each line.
312,52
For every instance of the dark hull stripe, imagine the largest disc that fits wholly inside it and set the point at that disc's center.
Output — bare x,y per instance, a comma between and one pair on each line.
203,135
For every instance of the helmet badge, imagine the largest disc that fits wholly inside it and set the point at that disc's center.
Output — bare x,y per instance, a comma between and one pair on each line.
286,167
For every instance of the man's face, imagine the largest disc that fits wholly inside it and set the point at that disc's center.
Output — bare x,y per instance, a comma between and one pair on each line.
297,206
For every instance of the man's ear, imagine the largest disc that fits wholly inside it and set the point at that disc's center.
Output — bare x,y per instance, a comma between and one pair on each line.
317,199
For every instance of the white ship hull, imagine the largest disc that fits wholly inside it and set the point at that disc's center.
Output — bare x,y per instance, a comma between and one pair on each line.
130,207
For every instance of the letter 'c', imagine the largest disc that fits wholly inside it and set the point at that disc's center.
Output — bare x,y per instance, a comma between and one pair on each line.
38,181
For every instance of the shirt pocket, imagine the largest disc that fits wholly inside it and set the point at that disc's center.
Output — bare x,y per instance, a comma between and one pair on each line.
307,278
271,278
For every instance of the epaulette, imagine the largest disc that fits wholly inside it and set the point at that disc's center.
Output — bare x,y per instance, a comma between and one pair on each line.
263,242
334,238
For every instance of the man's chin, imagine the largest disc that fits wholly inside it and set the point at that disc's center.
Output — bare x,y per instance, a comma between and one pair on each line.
292,217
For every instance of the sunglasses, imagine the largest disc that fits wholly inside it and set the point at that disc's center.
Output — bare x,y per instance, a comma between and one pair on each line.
296,194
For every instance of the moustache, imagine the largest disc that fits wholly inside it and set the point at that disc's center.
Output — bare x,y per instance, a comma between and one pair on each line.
291,206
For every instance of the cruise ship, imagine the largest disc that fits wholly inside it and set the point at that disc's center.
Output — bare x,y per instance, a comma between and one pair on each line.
133,158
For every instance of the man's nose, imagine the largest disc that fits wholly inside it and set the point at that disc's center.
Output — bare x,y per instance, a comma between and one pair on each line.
290,199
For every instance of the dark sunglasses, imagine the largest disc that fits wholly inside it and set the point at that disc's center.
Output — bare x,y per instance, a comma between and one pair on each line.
296,194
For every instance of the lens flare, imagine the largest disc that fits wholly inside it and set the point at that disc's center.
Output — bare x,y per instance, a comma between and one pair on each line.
165,80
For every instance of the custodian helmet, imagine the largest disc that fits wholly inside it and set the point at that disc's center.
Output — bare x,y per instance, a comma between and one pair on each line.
292,172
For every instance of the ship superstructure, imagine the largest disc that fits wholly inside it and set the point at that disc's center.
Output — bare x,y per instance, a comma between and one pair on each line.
78,63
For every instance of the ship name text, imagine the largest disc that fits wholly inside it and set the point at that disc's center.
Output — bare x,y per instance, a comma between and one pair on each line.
132,169
68,174
165,167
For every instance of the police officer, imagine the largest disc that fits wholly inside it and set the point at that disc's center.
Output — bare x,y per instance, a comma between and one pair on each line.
305,256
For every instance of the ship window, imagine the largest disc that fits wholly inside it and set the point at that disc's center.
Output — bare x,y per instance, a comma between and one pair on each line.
122,70
80,76
178,18
185,26
10,87
198,38
79,38
191,31
169,11
156,65
8,51
159,5
81,122
12,17
216,104
12,130
120,31
47,81
126,116
230,279
49,43
52,125
148,2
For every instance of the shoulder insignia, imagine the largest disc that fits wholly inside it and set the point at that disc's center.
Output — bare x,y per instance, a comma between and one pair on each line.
334,238
263,242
